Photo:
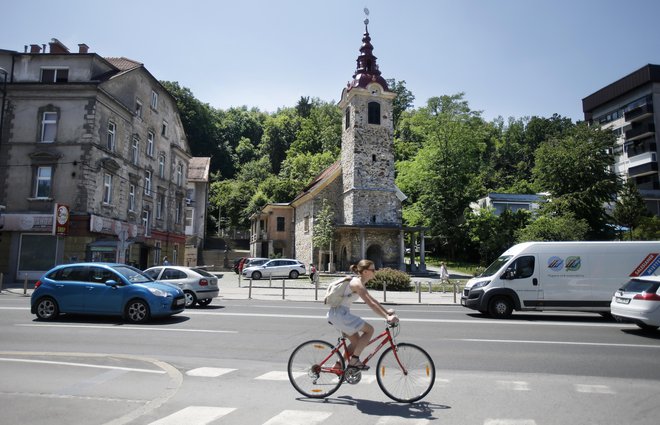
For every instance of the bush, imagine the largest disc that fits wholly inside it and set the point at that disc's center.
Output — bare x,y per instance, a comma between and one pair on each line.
396,280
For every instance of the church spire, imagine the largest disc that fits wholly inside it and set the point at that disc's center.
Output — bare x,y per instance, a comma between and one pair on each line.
367,69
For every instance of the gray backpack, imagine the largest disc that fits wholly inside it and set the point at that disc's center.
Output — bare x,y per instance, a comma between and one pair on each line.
336,291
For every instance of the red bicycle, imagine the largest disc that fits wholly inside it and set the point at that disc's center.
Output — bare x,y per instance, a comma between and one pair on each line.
404,372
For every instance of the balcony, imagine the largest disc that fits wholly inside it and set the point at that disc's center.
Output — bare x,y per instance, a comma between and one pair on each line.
639,113
643,169
640,131
640,146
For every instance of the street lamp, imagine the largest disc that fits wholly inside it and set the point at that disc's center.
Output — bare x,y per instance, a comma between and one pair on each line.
4,74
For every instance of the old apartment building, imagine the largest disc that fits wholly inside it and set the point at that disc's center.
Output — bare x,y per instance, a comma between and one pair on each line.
93,163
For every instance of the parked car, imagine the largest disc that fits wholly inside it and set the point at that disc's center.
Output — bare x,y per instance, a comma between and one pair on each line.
198,285
104,289
276,268
638,301
256,261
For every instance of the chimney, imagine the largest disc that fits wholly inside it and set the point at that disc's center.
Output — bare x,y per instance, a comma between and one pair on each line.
57,47
83,48
35,48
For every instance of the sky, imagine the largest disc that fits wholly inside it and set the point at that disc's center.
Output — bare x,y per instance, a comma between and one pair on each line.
510,58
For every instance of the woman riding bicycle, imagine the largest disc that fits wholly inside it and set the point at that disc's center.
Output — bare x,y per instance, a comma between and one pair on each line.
353,327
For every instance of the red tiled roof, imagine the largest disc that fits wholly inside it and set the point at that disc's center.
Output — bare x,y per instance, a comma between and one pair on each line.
123,63
320,180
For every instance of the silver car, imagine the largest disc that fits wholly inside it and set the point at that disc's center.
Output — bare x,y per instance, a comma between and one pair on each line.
276,268
198,285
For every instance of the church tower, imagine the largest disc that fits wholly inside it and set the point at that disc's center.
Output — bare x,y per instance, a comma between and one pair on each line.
369,194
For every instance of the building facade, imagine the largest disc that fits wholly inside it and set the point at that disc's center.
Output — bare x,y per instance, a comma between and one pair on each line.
626,107
100,140
197,199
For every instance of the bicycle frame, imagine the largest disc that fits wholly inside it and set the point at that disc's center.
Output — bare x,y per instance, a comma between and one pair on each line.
385,336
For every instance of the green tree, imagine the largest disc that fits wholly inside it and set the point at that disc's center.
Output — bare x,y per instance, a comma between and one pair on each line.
402,102
324,229
494,234
279,132
629,208
554,228
648,229
576,169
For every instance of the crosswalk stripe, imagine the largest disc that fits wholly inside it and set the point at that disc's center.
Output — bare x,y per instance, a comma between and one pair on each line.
275,376
396,420
302,417
194,415
514,385
209,372
597,389
509,422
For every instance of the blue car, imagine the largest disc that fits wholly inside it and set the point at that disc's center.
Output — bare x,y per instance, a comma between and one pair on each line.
104,289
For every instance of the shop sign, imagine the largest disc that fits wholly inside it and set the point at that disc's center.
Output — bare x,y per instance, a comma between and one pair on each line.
61,220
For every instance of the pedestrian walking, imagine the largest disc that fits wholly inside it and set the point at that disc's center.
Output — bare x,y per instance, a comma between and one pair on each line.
444,276
313,274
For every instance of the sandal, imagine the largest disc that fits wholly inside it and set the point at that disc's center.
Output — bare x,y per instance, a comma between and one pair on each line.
357,364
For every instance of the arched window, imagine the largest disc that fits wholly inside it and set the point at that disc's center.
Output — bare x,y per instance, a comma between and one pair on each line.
374,113
347,118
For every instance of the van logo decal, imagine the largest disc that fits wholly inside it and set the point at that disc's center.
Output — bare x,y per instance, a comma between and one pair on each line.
555,263
648,266
573,264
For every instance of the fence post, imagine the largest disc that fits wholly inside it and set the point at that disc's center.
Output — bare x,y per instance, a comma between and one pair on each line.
270,281
250,290
419,291
384,291
2,278
239,280
316,289
430,286
283,288
455,291
25,285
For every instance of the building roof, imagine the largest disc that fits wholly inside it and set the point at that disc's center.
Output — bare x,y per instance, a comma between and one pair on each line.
198,168
320,181
124,64
646,74
515,197
367,71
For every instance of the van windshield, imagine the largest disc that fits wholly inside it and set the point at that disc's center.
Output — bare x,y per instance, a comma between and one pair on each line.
495,266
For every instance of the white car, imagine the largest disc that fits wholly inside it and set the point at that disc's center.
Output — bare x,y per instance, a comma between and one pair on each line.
638,301
276,268
198,285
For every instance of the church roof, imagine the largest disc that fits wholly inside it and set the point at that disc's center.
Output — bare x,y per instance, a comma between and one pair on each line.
367,69
320,181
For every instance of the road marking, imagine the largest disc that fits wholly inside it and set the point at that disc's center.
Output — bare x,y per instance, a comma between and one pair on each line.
209,372
194,415
127,369
307,417
513,385
596,344
277,376
595,389
125,327
509,422
396,420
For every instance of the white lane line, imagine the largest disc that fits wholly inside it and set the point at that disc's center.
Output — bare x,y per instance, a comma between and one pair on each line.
277,376
594,389
596,344
513,385
127,369
307,417
209,372
125,327
397,420
509,422
194,415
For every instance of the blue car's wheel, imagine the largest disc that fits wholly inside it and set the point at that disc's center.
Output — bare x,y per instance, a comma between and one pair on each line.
137,311
47,309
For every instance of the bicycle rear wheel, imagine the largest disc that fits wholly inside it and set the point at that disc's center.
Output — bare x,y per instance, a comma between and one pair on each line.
310,375
405,374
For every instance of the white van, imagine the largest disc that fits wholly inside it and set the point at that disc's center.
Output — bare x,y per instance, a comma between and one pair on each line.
574,276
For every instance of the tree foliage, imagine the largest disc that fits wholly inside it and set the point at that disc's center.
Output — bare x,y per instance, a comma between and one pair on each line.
630,208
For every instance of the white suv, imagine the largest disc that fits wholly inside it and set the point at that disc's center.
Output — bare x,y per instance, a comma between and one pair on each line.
276,268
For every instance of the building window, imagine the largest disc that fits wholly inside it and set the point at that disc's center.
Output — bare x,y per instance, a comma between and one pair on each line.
43,182
147,183
131,197
150,144
373,116
135,151
175,254
112,130
347,118
177,212
154,100
280,224
138,108
306,224
107,188
145,222
189,218
179,175
160,205
157,252
163,131
54,75
48,127
161,166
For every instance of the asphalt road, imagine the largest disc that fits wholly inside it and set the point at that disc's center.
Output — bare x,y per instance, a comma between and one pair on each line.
226,364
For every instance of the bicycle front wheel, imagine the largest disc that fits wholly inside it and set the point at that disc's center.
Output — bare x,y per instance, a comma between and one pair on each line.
314,371
406,373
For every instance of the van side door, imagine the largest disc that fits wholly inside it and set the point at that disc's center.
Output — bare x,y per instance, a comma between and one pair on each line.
522,276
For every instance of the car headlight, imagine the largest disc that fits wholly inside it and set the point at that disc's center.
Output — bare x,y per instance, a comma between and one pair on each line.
158,292
480,284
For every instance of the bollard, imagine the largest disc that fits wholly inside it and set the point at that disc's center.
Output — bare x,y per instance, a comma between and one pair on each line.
249,290
25,285
384,292
316,289
430,287
419,291
2,278
239,280
455,291
270,281
283,286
